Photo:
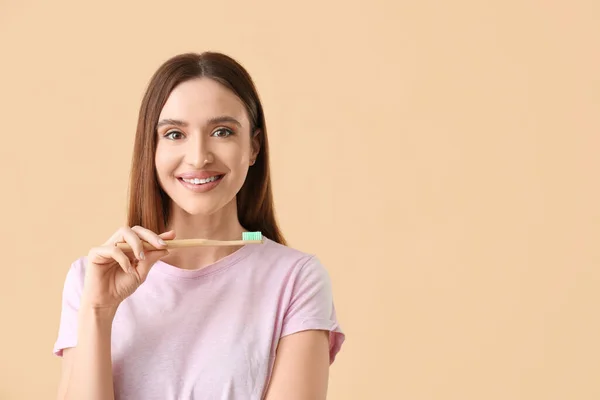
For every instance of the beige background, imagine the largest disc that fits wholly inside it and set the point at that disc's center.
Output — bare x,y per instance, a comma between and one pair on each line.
440,158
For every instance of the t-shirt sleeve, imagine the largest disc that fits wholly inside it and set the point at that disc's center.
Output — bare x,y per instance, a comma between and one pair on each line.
311,305
73,286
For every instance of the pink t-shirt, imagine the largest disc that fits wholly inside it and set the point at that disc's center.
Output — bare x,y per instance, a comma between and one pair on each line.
211,333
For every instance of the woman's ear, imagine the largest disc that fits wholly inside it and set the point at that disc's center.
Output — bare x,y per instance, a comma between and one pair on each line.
256,142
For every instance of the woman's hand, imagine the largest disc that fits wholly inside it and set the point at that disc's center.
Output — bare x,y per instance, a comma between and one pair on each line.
113,274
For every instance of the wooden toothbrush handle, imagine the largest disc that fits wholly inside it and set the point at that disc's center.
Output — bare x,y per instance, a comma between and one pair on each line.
180,243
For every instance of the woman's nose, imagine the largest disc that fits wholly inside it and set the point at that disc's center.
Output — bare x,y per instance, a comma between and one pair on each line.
199,153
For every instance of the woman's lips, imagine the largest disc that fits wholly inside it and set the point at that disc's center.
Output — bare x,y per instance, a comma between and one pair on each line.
201,185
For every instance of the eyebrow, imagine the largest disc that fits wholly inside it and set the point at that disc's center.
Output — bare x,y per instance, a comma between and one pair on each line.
211,121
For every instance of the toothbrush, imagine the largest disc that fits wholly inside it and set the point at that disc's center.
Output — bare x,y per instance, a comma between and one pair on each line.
247,238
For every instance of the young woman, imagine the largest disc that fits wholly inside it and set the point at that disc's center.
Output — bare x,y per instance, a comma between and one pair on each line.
247,322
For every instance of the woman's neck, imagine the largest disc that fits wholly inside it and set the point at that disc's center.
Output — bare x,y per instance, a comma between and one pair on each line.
223,225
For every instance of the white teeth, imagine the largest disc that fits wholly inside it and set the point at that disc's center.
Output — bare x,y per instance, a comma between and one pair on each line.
196,181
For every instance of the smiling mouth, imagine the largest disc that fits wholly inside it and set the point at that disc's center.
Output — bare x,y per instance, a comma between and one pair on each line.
200,182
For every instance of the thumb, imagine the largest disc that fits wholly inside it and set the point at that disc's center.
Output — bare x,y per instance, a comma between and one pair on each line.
143,267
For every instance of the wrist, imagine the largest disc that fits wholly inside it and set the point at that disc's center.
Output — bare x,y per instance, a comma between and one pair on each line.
103,314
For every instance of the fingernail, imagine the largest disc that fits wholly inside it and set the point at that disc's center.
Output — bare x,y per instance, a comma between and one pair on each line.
162,242
142,256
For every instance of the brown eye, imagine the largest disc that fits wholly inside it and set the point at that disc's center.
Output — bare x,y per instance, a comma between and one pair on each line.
173,135
222,132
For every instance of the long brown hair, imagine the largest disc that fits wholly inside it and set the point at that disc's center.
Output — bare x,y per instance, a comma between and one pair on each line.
149,205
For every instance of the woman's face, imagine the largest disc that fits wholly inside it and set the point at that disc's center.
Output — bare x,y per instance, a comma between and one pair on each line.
204,146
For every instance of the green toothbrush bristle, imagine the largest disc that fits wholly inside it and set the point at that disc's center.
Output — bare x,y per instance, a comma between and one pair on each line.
252,236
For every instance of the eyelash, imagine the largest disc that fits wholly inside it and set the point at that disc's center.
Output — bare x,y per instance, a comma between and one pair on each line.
229,133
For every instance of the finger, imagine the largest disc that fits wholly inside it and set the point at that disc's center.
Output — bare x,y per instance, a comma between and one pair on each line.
149,236
133,240
116,237
143,267
168,235
100,255
127,235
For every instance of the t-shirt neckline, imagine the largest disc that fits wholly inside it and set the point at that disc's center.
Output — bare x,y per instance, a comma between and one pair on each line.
227,261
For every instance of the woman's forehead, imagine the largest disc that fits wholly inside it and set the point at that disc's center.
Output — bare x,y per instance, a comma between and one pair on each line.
203,99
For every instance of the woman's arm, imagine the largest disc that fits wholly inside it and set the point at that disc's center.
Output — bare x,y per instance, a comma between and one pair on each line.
91,297
87,371
301,370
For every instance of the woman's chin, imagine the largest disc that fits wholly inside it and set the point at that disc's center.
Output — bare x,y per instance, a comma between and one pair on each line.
200,211
203,209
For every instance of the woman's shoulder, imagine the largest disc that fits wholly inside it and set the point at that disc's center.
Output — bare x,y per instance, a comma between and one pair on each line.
76,269
285,249
74,276
271,248
277,255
